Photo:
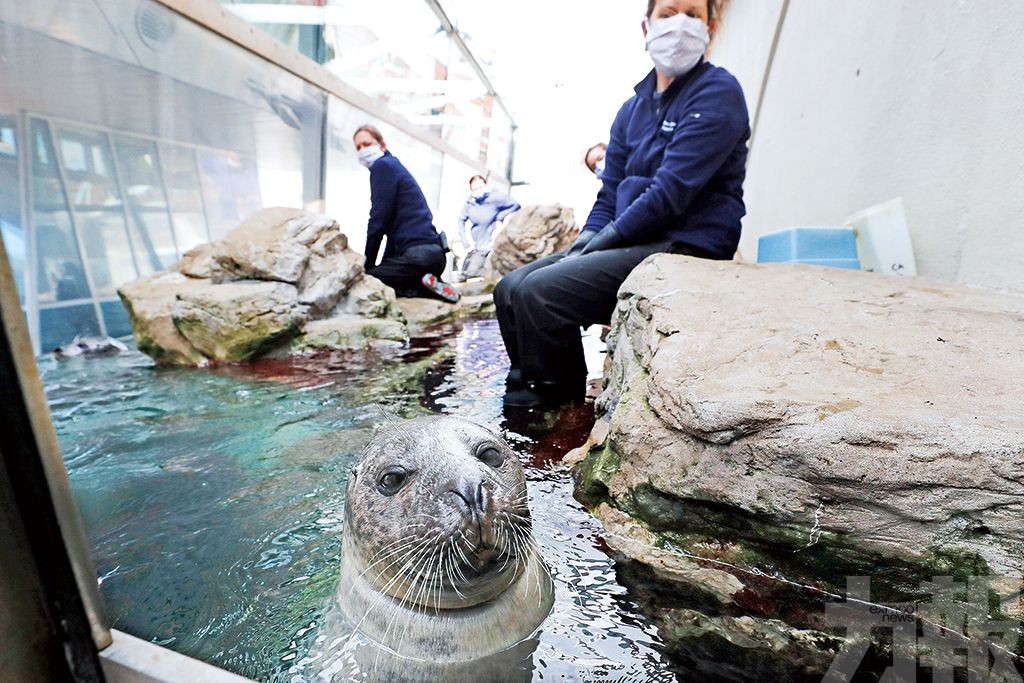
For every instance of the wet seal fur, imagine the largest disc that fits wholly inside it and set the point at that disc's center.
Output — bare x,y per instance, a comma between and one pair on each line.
438,560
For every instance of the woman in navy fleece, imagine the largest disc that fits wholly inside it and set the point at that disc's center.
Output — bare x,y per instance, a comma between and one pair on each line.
673,182
414,257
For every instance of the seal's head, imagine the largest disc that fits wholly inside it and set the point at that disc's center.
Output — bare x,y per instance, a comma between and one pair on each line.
436,514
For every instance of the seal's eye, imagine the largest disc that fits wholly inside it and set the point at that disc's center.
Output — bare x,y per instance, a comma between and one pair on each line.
492,456
391,480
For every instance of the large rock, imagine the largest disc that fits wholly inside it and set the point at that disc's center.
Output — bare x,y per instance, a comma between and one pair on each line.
151,303
273,244
330,274
253,291
531,233
240,320
424,314
350,333
812,421
367,297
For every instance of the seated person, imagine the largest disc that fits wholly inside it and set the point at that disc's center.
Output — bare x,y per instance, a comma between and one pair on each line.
414,257
483,213
673,182
594,158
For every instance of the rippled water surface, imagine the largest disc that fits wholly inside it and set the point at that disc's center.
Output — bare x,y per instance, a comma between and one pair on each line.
213,502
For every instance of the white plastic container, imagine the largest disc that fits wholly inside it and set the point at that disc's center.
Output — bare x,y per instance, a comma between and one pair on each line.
883,239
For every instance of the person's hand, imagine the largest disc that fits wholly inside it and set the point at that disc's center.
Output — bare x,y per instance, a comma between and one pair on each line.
608,238
580,244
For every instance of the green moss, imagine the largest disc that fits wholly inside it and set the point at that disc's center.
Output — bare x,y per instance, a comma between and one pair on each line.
730,534
595,472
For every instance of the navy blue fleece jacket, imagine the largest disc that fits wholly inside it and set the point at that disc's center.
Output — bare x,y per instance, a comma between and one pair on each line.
676,162
398,210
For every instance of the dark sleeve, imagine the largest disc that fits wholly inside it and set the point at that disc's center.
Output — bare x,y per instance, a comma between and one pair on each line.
615,158
707,133
383,193
506,207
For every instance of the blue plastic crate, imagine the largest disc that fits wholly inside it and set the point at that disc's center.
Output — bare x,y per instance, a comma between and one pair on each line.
832,247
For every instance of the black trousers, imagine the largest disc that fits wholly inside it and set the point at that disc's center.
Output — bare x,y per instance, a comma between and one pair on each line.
403,272
542,305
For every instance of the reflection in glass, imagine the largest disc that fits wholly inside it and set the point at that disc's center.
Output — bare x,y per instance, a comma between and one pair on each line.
58,326
107,251
115,317
231,189
60,275
147,203
10,202
181,178
96,198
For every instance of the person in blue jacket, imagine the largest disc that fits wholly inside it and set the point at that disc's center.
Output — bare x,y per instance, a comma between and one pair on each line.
483,213
414,257
672,182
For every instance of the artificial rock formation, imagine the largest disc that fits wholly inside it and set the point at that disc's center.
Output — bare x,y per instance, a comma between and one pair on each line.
282,283
529,234
809,420
273,277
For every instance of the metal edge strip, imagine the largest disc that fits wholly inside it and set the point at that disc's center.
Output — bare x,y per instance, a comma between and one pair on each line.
211,15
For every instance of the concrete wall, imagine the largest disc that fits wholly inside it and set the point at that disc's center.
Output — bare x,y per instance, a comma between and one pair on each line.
875,99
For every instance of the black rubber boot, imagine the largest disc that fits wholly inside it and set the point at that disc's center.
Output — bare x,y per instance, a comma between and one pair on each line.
545,395
514,380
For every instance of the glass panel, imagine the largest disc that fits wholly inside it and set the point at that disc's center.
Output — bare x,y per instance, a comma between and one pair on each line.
231,189
115,317
107,251
296,23
147,203
10,202
60,274
58,326
181,178
96,198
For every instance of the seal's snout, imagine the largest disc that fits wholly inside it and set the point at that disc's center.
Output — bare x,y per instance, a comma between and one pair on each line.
471,493
475,498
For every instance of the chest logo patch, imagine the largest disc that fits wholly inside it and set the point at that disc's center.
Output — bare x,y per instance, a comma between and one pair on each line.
668,126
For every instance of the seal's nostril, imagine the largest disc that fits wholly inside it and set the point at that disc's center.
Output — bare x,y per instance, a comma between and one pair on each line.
474,494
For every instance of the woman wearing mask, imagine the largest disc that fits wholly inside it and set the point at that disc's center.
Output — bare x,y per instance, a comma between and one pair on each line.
672,182
594,158
414,257
480,218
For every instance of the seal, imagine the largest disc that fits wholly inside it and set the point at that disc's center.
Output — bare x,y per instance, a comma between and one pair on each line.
438,559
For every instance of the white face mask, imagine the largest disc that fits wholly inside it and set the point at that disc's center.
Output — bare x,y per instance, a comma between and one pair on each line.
599,168
368,155
677,43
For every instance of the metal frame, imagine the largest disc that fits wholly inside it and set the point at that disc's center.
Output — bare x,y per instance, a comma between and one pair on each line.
450,29
211,15
31,262
24,119
76,227
122,194
39,436
158,160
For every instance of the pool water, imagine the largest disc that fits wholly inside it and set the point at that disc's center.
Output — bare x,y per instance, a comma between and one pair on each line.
213,502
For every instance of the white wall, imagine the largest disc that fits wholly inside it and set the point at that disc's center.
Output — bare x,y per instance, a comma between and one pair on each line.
875,99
